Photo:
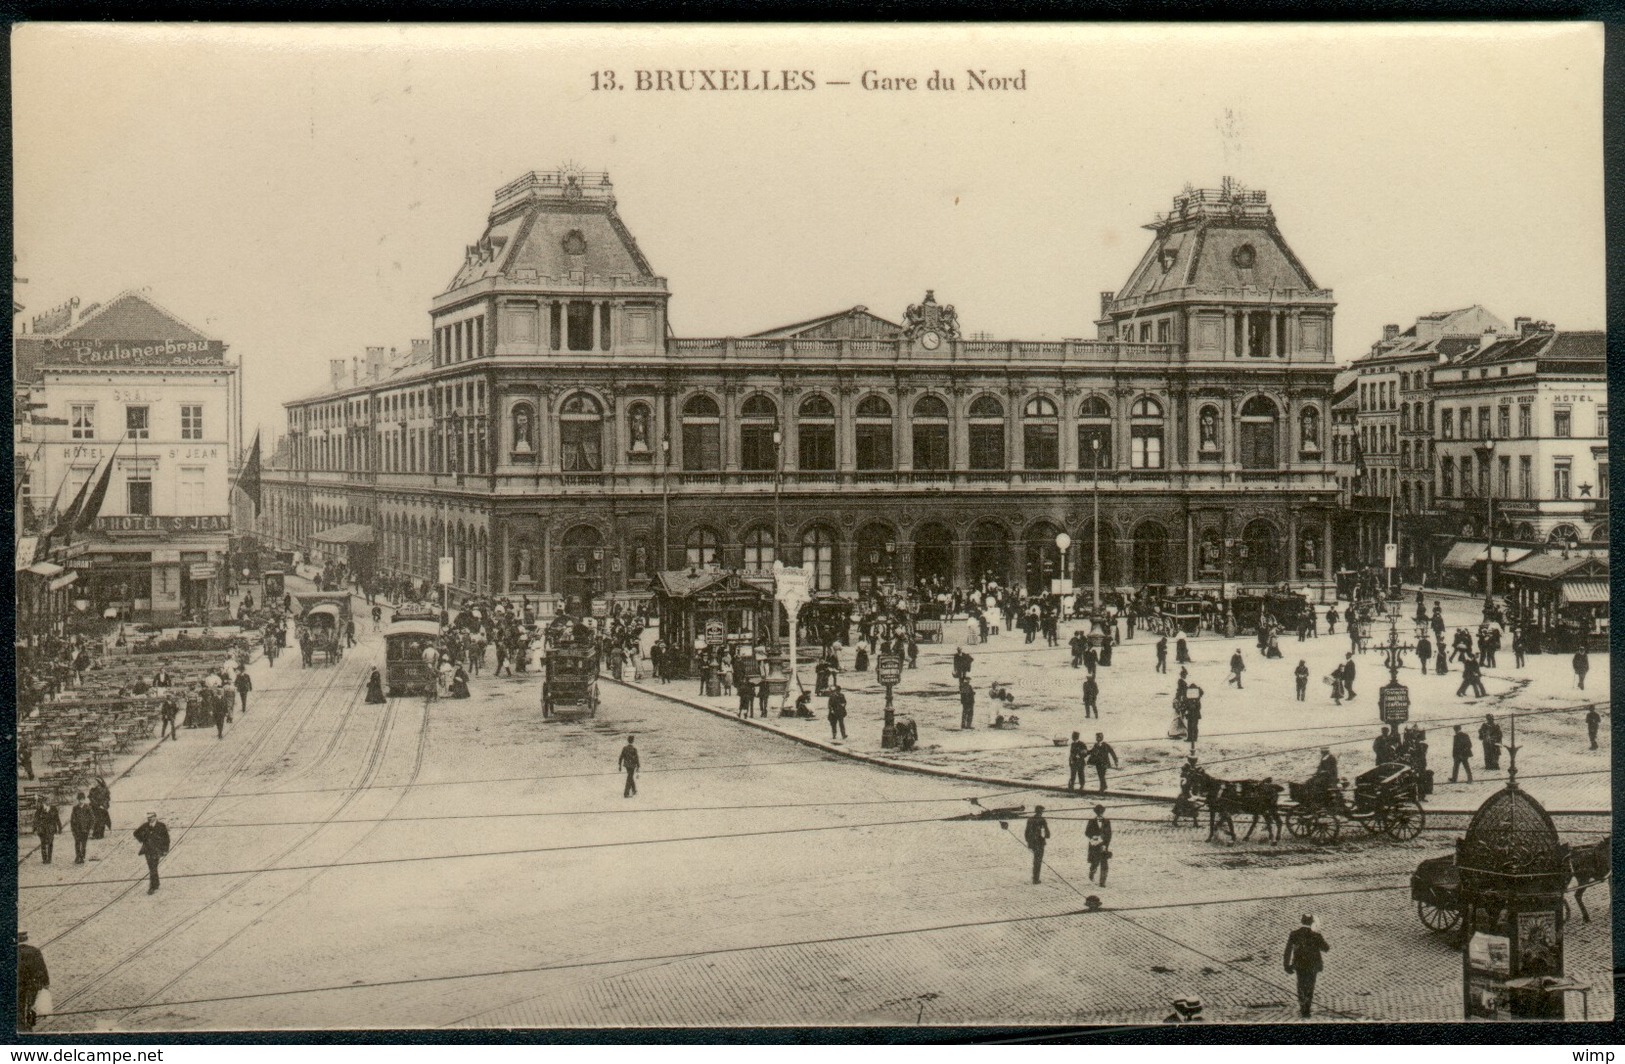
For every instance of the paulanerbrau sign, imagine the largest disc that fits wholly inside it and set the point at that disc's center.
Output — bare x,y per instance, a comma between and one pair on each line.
34,353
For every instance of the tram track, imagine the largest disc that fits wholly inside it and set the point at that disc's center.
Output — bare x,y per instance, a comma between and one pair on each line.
362,781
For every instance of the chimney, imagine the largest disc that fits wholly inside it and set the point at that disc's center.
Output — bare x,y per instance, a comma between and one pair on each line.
1106,302
375,363
1489,337
420,350
1521,325
335,373
1390,332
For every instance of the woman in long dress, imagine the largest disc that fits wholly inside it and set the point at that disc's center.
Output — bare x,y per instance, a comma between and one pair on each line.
459,683
375,689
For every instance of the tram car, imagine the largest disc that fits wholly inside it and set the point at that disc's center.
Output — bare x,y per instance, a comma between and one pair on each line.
324,625
571,686
406,672
273,585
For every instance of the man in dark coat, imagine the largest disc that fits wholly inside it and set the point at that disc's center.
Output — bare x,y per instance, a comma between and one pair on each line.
1076,760
1037,837
1472,679
47,825
101,805
1593,722
80,822
761,696
222,707
837,711
629,761
1182,653
1461,754
154,839
1099,833
1300,677
32,977
1303,949
1582,665
747,695
967,705
1424,653
243,685
1101,756
1162,653
1091,698
1192,712
166,714
1348,677
1236,668
1489,735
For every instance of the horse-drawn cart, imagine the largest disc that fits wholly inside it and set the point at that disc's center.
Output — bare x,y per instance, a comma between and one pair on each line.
1436,883
571,687
1387,800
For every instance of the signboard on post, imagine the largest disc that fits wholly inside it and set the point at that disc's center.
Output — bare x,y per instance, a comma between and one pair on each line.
716,633
445,570
1390,555
1394,703
889,670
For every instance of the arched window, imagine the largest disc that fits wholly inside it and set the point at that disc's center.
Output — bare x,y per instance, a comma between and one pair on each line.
818,558
815,431
758,422
874,434
1257,436
930,427
581,434
759,549
701,548
1040,434
1145,434
1095,434
702,435
986,434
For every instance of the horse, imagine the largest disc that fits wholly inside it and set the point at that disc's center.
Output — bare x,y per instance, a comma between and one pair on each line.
1589,865
1259,799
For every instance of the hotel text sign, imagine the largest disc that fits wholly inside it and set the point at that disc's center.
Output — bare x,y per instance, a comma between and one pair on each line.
141,523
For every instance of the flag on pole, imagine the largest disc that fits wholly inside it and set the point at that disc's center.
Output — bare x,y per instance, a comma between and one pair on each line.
70,517
249,479
92,508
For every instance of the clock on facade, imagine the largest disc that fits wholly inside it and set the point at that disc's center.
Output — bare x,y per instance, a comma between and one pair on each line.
1244,257
930,340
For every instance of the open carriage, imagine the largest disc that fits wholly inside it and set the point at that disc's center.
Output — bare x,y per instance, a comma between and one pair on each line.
1387,800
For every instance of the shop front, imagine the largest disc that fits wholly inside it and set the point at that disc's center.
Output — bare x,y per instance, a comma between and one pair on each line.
1562,597
710,609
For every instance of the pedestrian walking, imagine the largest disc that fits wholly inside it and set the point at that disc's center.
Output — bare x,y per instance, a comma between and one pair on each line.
80,821
1461,754
1077,762
244,685
47,826
25,755
629,761
1236,667
1348,677
1593,722
1300,677
1582,665
747,696
1489,737
761,696
837,711
1331,620
1472,678
222,707
1424,653
1101,756
1192,713
967,704
154,839
1091,698
101,807
1099,833
1182,653
33,979
1037,839
1162,653
1518,645
1303,949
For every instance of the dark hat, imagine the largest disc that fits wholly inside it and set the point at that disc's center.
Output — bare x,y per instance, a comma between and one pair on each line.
1307,921
1092,902
1100,809
81,794
1188,1006
1037,809
22,936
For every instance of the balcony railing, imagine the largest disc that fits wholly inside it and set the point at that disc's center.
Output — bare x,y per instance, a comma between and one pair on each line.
729,349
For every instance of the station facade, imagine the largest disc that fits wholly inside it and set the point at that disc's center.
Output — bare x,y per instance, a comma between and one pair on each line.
555,441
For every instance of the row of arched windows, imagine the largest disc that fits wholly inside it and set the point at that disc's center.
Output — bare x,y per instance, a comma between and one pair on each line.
581,434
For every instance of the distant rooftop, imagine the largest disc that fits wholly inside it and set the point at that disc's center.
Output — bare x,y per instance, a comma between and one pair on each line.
566,185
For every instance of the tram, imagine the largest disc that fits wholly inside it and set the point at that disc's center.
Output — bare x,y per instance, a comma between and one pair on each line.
407,670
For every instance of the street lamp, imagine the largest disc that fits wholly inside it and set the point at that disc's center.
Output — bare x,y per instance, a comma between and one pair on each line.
778,484
1486,454
1094,526
1063,543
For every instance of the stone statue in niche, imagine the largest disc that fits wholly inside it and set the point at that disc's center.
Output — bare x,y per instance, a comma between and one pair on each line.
1210,554
1308,557
526,560
1311,429
640,430
521,431
1209,429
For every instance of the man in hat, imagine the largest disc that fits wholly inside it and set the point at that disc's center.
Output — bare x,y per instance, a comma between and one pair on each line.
243,685
1037,838
1101,756
1303,949
1076,761
1162,653
1300,677
967,704
1099,833
32,977
1236,668
1593,722
1091,697
101,804
1489,737
80,822
154,839
1461,755
47,825
629,761
1186,1010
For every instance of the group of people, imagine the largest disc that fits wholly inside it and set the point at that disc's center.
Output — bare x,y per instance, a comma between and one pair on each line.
90,818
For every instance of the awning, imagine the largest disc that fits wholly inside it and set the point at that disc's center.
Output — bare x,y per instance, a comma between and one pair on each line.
45,569
1584,593
358,534
63,581
1468,554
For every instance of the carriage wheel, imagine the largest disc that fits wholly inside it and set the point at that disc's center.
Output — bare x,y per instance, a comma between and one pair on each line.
1297,824
1436,919
1324,828
1404,820
1375,823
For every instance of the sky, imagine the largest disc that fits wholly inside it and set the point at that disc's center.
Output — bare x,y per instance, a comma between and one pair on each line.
304,192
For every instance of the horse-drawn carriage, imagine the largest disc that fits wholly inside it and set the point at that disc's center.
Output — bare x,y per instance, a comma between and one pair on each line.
324,629
1436,883
571,686
1387,800
1179,617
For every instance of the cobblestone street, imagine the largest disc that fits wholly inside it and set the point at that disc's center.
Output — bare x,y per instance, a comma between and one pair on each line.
752,880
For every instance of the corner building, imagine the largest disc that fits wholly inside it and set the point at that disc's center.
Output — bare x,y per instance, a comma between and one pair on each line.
560,443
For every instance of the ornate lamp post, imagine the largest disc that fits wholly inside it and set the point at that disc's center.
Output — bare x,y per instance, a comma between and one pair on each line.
1094,527
778,484
665,502
1063,586
1486,453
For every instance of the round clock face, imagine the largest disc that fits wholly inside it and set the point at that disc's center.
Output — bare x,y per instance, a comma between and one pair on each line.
1244,256
930,340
